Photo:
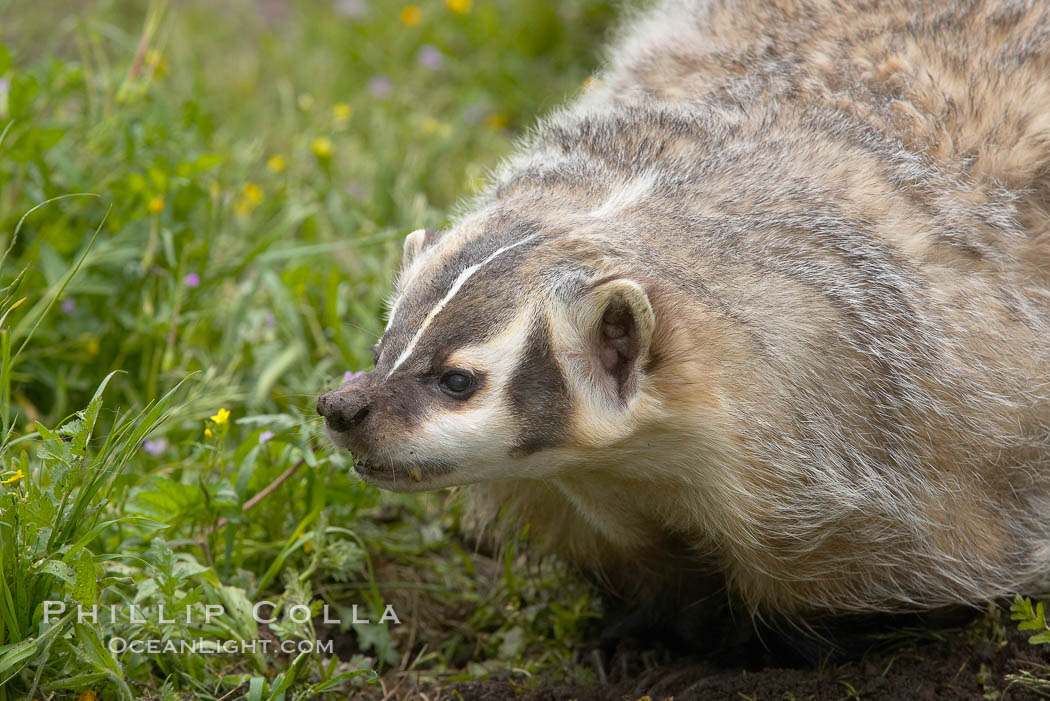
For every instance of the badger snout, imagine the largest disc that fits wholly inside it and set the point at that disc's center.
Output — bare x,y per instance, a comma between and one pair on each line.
343,410
353,414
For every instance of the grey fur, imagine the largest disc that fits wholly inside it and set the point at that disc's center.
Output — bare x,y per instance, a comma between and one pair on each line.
839,214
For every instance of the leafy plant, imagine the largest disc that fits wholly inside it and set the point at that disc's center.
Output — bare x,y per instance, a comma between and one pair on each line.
50,517
164,220
1030,617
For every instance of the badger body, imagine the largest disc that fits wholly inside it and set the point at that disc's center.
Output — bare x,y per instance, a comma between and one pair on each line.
771,298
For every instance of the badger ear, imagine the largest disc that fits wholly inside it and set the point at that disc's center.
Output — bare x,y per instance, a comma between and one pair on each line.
617,319
413,245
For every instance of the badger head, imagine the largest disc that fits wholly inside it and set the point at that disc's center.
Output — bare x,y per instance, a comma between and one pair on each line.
510,352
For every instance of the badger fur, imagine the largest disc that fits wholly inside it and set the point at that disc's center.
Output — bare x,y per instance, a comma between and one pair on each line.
770,298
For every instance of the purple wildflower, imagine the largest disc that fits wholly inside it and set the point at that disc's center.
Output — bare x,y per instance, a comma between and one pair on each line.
356,189
265,436
192,280
473,114
68,305
351,8
431,57
155,446
349,375
380,86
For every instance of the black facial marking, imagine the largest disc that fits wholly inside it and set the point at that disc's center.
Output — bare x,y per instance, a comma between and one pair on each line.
405,401
475,310
539,395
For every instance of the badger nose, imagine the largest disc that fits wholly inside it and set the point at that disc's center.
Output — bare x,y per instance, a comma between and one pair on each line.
342,411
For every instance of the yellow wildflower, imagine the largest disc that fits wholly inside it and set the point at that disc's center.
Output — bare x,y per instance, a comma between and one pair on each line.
92,346
156,205
87,696
322,147
460,6
221,417
207,433
252,192
433,126
495,122
342,111
411,15
17,476
156,61
250,197
276,164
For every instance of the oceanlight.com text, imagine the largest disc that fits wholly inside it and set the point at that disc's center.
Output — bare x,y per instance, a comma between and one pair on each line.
202,646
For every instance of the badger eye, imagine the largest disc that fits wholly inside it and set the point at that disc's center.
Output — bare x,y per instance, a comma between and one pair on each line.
375,354
457,383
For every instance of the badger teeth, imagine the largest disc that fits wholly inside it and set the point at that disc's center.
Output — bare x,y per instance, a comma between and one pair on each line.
416,473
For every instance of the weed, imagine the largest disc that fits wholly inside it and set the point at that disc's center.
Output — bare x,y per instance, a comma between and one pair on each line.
201,208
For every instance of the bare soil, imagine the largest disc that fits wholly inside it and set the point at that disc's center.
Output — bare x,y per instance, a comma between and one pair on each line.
980,658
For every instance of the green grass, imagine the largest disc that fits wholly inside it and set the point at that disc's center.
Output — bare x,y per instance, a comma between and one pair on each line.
202,207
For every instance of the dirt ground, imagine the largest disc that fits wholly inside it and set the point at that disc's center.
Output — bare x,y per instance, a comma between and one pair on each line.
980,657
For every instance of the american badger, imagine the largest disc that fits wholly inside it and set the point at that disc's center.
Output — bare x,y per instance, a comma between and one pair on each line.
771,298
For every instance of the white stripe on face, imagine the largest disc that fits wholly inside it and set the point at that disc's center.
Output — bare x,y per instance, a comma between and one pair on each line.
410,265
460,281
